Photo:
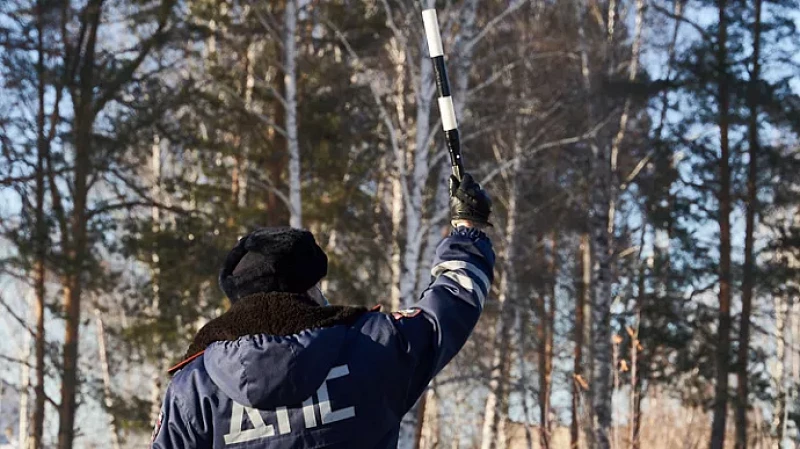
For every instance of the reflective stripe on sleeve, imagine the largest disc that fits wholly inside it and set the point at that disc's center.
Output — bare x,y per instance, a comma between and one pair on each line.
471,269
466,283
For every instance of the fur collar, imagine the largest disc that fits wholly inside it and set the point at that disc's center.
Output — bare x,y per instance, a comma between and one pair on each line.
274,314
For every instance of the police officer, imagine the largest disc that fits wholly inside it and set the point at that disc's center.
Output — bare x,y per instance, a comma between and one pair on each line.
282,369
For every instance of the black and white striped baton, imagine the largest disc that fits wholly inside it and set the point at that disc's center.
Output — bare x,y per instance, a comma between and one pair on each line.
446,108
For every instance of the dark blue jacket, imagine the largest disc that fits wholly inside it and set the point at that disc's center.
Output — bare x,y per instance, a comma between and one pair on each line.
339,387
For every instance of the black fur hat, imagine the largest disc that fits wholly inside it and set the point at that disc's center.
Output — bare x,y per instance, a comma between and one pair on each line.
273,260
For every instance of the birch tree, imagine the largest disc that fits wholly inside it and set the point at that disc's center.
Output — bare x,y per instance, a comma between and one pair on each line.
290,104
778,376
601,257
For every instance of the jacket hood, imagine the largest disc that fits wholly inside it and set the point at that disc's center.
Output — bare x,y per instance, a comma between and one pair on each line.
267,371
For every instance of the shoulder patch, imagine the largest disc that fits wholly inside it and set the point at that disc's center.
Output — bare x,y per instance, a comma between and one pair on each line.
408,313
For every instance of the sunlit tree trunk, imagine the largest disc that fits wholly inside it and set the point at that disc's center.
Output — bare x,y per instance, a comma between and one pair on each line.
584,279
779,409
290,85
417,152
414,236
429,427
398,58
106,375
157,389
548,329
24,392
522,319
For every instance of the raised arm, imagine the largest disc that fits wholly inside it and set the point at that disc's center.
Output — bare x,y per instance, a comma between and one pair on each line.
439,324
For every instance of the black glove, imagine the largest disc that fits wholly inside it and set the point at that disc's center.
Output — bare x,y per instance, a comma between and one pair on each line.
468,201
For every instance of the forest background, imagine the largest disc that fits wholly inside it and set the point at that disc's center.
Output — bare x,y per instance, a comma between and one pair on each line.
643,157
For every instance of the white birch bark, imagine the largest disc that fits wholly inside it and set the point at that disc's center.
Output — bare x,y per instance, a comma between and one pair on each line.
522,349
430,423
417,153
778,378
600,343
157,380
458,420
106,374
244,166
24,390
292,143
420,174
398,58
494,412
795,333
633,68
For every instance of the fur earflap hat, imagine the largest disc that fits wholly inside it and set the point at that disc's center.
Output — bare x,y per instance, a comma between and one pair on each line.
273,260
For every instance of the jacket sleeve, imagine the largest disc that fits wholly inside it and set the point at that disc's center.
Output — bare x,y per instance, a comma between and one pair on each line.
175,428
438,325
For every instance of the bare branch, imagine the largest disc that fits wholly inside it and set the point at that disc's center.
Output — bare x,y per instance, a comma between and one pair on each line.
382,111
15,361
125,74
496,20
684,19
16,317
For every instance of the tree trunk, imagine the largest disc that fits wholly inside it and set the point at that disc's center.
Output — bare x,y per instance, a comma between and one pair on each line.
636,395
24,392
157,389
779,410
551,322
581,299
545,337
398,57
523,318
106,374
428,428
724,197
636,430
243,158
41,242
277,159
83,101
601,298
290,84
599,225
419,180
748,279
633,68
794,318
72,305
418,154
493,411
